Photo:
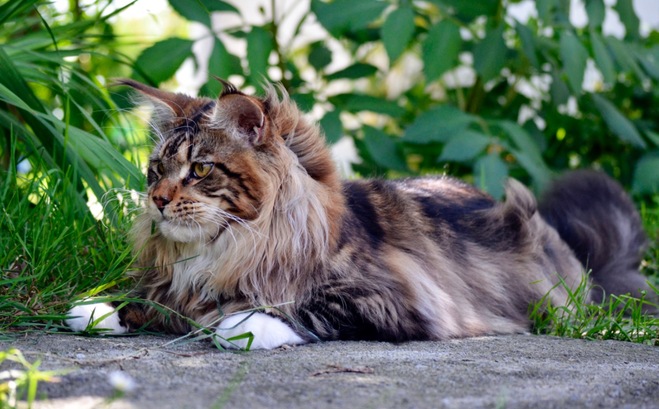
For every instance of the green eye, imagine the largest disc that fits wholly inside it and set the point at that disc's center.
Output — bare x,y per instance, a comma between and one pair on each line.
160,168
201,169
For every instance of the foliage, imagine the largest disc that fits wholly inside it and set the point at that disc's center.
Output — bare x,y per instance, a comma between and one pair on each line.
50,253
21,384
53,109
456,86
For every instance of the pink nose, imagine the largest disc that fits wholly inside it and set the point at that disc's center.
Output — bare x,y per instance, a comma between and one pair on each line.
161,202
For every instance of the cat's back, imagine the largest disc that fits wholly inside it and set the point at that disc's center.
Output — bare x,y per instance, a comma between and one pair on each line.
399,211
435,254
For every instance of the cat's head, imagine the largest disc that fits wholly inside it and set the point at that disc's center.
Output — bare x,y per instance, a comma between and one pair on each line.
217,161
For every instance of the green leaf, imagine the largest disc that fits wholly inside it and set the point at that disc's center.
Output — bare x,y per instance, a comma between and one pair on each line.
200,10
221,64
360,102
526,151
320,56
305,101
603,58
574,56
464,146
646,174
490,174
383,149
625,9
545,10
363,35
468,10
653,137
623,56
596,11
259,47
649,60
247,335
331,124
218,5
437,125
12,9
397,31
440,49
528,43
617,122
341,16
103,157
355,71
160,62
521,138
193,10
490,54
558,90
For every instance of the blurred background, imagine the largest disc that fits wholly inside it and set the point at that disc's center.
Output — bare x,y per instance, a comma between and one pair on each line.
480,89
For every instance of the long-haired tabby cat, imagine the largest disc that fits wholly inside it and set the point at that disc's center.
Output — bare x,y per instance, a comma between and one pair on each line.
245,209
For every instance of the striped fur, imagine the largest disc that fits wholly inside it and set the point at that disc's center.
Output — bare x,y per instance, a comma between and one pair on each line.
271,224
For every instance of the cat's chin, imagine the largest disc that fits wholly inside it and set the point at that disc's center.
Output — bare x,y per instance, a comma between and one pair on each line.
184,234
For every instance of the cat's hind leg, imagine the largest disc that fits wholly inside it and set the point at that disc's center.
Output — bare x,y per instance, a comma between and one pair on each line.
268,332
101,318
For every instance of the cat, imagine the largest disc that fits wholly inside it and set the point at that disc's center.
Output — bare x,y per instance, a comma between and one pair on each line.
245,209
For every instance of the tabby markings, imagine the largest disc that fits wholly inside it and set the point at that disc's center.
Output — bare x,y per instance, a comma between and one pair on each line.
362,207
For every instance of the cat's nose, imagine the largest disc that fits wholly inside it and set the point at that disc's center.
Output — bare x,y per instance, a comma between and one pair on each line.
161,202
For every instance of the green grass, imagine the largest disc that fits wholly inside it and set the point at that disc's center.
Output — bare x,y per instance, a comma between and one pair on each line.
650,216
21,384
620,318
52,252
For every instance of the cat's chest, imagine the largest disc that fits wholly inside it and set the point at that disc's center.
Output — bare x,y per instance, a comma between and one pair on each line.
193,271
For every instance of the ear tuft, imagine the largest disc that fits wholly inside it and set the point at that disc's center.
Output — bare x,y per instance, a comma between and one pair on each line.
174,103
227,87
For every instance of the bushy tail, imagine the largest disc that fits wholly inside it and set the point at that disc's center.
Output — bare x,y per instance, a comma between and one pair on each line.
596,218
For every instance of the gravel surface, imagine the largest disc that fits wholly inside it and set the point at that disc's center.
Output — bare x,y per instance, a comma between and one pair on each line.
492,372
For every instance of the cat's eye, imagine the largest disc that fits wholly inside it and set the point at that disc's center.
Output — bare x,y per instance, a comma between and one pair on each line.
201,170
161,168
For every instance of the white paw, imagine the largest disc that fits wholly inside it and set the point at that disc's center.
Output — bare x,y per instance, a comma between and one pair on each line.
99,317
269,332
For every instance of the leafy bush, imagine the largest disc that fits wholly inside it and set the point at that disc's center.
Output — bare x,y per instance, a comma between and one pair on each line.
455,86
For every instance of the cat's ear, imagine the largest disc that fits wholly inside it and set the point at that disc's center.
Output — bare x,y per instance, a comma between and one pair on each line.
242,113
167,105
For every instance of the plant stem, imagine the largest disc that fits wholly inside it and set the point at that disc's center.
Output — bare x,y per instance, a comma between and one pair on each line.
6,152
274,29
74,7
476,95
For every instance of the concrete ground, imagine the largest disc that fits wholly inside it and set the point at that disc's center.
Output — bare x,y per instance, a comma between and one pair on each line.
494,372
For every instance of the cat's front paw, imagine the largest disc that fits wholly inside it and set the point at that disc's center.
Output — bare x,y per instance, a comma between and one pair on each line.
101,318
269,332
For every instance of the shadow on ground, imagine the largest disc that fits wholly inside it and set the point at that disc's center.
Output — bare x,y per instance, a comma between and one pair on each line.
494,372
